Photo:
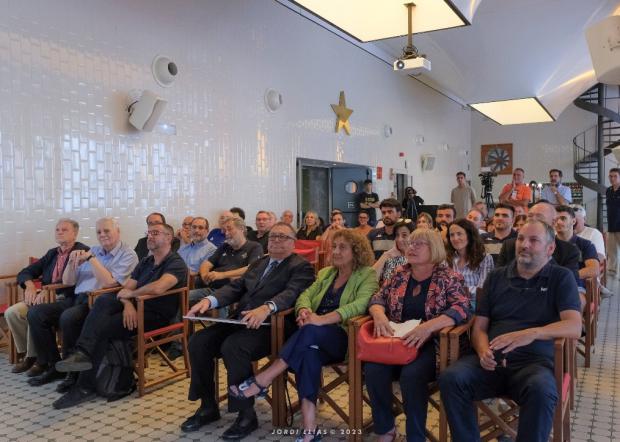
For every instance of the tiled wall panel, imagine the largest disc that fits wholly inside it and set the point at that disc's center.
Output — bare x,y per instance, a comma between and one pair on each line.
66,149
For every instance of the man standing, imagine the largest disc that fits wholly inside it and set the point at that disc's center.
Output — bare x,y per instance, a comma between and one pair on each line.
369,202
462,196
199,248
612,198
516,193
271,284
49,268
556,192
523,307
261,234
382,239
503,219
154,218
114,315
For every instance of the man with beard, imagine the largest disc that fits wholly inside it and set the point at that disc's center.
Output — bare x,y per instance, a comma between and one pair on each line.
446,213
517,192
523,307
382,239
476,217
556,192
503,219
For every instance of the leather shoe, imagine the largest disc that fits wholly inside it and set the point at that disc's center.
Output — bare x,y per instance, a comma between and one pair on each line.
241,428
78,361
36,370
24,365
49,375
68,382
201,418
73,397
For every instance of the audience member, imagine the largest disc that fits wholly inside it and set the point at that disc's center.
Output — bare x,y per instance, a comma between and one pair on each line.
481,206
238,212
502,230
199,248
523,307
185,232
424,289
467,256
114,316
424,221
339,293
363,228
519,221
411,204
49,269
229,261
395,257
444,216
271,284
288,217
555,192
216,236
476,217
519,210
154,218
462,196
517,192
369,202
612,200
310,230
382,239
261,234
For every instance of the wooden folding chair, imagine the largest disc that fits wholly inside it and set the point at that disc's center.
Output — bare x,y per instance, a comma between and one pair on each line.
311,251
585,345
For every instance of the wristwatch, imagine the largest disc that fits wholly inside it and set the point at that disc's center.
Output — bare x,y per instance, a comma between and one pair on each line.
89,258
272,307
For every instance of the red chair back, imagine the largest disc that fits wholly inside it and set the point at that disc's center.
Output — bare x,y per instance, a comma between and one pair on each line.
308,249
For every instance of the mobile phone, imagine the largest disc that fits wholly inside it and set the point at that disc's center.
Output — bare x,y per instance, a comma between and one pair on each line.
499,357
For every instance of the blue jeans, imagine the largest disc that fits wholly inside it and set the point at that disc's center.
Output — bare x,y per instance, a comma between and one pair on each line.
414,379
531,385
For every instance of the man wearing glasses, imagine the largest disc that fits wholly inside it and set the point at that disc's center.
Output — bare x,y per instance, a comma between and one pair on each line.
270,284
114,315
199,248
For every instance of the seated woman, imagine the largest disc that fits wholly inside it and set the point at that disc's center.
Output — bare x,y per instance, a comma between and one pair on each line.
519,221
467,256
424,221
339,293
337,224
395,257
311,229
424,289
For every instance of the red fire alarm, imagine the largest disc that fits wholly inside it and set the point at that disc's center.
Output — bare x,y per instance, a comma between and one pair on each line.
401,154
379,172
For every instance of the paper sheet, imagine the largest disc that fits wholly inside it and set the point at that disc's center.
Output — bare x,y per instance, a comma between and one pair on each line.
224,320
403,328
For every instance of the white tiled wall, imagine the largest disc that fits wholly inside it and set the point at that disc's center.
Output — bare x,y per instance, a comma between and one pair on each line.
66,149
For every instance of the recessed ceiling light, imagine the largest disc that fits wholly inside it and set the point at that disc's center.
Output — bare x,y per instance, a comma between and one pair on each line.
518,111
367,20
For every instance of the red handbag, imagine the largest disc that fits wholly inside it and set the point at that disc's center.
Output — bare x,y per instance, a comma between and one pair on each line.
383,350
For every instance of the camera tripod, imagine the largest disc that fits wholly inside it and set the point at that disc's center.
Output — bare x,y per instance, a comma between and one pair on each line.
488,198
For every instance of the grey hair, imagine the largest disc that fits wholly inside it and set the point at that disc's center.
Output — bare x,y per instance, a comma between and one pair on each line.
74,224
109,219
237,222
579,210
549,231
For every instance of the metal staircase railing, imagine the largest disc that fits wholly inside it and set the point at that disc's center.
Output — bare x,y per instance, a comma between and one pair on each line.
586,144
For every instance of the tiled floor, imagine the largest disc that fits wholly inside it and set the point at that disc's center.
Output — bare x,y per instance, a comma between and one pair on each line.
27,414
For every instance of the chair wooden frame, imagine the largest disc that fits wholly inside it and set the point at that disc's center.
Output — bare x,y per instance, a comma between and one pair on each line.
153,339
12,298
586,344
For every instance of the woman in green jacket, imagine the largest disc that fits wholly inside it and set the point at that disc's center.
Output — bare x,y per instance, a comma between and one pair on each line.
340,292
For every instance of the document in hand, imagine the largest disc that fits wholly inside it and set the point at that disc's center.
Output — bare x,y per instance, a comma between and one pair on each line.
403,328
225,320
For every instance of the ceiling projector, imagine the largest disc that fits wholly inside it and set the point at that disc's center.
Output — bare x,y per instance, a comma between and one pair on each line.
417,64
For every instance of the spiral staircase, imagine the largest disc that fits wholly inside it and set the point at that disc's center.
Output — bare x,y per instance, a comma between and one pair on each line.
591,147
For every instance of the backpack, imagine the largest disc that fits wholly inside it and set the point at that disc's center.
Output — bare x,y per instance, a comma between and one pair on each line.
115,379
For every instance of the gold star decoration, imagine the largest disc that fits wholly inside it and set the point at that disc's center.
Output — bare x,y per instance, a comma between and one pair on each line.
342,114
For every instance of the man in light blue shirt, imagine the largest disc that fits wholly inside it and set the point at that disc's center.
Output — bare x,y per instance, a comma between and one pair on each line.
200,248
556,192
106,265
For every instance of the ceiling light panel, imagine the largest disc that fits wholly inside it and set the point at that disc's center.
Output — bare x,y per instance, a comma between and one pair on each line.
518,111
367,20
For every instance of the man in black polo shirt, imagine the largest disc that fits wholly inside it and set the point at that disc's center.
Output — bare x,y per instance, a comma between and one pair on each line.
114,315
612,198
523,307
382,239
503,219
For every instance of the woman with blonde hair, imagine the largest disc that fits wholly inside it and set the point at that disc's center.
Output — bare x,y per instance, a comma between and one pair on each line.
310,229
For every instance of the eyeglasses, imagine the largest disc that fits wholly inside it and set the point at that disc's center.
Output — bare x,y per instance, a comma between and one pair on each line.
186,224
279,237
417,244
155,233
198,227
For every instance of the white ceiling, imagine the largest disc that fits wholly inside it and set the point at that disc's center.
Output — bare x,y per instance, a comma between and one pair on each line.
513,49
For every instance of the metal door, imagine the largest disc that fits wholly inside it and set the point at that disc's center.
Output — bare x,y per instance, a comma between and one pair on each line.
347,183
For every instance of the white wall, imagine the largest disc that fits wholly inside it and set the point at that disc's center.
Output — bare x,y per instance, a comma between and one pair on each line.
536,147
65,67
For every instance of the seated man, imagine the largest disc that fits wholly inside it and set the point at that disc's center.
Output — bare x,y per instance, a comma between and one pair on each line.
382,238
199,248
141,248
184,234
477,219
114,315
229,261
503,219
49,268
523,307
287,217
272,283
446,213
261,234
216,236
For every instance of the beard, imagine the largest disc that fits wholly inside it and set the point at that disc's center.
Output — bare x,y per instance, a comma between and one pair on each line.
388,221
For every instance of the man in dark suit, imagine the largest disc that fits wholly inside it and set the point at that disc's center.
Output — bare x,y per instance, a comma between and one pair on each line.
270,284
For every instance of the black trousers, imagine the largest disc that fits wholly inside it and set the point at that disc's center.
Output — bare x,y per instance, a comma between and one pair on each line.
238,346
103,324
68,314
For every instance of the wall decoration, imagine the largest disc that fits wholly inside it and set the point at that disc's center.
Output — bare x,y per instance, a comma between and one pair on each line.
342,114
498,157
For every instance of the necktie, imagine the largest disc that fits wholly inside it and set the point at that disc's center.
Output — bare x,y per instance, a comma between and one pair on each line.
272,265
